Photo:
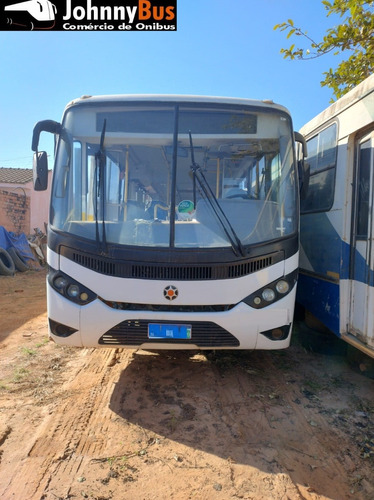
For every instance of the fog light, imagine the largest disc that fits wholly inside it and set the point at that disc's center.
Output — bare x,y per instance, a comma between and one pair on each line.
268,294
73,291
277,334
60,282
61,330
282,286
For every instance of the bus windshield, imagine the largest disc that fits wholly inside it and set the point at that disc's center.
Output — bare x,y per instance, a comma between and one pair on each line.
131,175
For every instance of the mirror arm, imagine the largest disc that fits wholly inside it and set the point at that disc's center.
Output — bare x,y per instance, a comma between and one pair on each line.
44,126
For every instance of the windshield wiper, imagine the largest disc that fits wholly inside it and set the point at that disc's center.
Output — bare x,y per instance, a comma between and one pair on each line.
100,191
205,188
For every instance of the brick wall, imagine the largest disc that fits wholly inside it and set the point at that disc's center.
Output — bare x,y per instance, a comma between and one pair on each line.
15,211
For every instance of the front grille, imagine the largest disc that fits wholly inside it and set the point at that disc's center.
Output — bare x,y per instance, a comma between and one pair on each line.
135,332
182,273
249,267
133,306
103,266
175,272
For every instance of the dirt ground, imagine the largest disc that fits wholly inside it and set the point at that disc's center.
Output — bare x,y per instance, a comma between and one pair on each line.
121,424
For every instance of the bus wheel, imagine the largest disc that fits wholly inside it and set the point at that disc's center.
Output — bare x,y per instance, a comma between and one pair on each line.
319,342
314,323
360,362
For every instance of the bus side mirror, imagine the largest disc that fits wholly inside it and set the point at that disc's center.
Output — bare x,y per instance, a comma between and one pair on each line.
304,176
40,162
40,171
303,166
300,138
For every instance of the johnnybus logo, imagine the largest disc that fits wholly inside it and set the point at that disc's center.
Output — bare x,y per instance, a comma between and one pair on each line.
89,15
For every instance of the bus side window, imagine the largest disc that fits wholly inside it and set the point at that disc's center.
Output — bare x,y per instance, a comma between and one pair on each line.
322,153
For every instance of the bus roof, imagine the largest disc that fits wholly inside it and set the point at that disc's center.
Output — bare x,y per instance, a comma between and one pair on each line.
348,100
121,98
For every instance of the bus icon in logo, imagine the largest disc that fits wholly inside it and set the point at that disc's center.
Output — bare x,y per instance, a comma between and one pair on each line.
32,14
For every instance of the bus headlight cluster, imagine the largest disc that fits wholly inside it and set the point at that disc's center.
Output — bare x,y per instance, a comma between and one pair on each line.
272,292
69,288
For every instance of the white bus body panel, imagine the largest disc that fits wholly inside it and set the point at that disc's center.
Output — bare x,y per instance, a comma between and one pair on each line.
99,318
242,321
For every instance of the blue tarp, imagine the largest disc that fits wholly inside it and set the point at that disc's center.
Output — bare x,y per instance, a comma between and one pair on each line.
8,239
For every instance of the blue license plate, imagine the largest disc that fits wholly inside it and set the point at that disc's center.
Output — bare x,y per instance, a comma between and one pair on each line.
160,331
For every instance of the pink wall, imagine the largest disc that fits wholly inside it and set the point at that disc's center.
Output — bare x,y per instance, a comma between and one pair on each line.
38,203
39,206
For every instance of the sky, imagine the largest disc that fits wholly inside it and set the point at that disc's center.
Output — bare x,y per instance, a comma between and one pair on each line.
221,48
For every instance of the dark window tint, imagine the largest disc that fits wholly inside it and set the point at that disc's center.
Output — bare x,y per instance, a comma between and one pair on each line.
322,150
363,190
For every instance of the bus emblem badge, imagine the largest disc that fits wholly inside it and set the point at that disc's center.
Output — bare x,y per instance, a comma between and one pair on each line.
170,292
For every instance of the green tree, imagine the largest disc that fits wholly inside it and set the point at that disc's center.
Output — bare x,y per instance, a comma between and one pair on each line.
355,35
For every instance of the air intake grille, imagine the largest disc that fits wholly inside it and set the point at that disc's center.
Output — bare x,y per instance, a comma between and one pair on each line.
182,272
249,267
95,263
135,333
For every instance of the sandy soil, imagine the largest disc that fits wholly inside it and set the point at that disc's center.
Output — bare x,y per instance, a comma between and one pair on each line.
118,424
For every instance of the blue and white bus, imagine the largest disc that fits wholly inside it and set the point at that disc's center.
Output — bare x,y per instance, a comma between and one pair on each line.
337,219
173,223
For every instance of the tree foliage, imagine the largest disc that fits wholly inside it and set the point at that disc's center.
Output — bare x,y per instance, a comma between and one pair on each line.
354,35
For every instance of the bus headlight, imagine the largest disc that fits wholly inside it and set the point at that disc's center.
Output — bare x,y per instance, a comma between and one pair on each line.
73,291
60,283
268,294
282,287
69,288
272,292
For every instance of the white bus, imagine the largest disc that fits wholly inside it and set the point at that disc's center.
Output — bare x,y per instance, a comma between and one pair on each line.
173,223
337,220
